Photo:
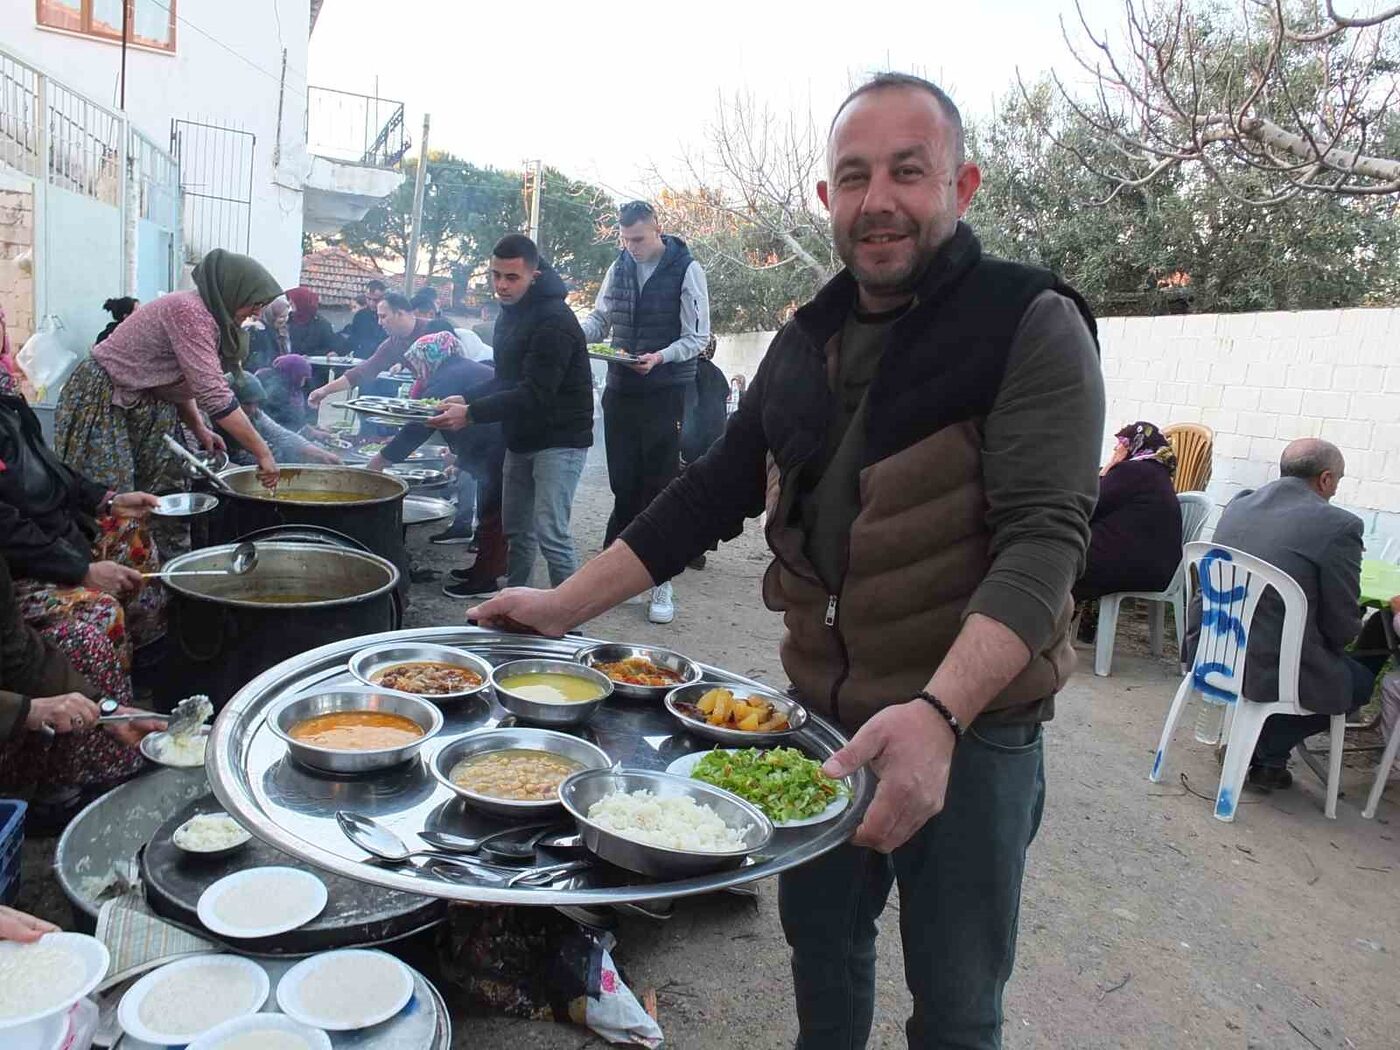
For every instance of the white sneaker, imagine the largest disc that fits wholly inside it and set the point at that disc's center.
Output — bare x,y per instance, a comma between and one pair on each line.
663,605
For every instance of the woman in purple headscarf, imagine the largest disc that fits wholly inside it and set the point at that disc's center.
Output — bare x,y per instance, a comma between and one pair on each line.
286,382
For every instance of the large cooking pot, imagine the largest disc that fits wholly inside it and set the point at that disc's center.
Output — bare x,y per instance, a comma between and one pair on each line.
226,630
374,516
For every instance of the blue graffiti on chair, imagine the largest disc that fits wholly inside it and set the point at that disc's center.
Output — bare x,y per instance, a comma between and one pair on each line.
1218,620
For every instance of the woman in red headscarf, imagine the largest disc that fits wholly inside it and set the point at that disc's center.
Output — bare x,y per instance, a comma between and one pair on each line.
312,335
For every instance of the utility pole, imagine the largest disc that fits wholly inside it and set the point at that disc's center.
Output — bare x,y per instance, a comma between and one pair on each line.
534,186
410,263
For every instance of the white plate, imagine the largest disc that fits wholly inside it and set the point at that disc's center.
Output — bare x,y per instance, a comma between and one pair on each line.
129,1012
95,959
312,889
49,1034
290,1000
685,765
151,747
215,1037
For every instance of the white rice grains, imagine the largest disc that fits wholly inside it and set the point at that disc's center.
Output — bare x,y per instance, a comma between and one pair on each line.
669,822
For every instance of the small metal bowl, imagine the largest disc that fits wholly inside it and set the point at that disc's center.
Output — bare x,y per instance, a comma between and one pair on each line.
488,740
185,504
611,652
350,698
563,713
210,854
690,694
580,791
153,747
365,664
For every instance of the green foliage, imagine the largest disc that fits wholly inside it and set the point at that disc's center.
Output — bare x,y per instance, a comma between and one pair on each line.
1128,255
466,209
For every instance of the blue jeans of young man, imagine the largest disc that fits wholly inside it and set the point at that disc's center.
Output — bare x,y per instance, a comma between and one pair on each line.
959,898
538,500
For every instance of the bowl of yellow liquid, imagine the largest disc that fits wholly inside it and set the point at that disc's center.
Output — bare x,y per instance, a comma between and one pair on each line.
550,692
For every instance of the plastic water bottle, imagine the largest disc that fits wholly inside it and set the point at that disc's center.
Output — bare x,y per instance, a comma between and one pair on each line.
1210,720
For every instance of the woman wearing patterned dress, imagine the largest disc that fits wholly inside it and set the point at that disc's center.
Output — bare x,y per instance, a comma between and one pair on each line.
166,363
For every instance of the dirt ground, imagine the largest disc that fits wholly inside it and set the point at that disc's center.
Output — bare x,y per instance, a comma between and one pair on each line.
1145,922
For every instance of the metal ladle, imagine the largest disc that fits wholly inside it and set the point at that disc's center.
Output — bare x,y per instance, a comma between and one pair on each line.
245,559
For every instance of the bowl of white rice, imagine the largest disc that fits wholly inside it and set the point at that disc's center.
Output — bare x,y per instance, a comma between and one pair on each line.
179,1002
661,825
49,975
211,835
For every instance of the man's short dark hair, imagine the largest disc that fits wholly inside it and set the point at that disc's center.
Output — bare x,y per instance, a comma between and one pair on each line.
374,284
634,212
425,299
881,81
397,301
517,246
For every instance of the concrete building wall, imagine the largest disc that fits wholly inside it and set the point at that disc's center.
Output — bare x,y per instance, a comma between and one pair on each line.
1257,380
16,259
226,69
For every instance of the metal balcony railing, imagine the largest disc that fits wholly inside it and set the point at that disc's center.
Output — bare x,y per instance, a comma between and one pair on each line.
359,129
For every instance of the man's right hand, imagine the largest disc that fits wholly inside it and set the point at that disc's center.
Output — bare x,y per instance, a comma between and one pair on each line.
318,395
68,713
111,578
524,610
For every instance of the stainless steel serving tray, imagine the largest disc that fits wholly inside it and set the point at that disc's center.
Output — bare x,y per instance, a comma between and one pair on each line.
294,809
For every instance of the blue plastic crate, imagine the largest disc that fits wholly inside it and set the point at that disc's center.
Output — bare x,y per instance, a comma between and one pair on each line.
11,838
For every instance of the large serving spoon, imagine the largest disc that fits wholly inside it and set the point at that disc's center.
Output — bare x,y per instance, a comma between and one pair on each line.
382,842
197,463
245,559
498,842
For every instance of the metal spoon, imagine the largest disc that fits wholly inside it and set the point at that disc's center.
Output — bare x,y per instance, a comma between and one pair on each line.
524,849
245,559
497,842
374,838
197,463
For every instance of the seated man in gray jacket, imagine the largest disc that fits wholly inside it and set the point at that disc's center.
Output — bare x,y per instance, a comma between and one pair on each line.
1292,524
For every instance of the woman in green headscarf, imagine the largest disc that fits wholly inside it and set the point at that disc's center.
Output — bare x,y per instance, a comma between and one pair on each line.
163,367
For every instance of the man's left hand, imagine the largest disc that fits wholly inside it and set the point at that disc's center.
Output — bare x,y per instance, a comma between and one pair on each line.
910,748
645,363
134,504
451,417
130,733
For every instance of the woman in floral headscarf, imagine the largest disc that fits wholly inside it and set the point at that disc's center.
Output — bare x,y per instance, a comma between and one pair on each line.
1135,533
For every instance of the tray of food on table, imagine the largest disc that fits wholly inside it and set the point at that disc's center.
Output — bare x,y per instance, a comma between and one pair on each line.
474,765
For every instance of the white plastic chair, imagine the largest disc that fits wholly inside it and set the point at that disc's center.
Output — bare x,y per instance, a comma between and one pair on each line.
1195,508
1387,759
1231,584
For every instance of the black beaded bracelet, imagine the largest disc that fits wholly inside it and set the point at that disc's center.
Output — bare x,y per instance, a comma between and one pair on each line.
942,709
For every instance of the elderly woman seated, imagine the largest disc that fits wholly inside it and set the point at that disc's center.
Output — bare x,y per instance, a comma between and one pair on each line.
51,748
74,548
1135,533
287,445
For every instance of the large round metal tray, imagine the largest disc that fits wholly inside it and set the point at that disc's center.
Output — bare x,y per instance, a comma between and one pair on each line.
294,809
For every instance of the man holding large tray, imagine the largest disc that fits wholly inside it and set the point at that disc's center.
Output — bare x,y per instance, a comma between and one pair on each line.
924,438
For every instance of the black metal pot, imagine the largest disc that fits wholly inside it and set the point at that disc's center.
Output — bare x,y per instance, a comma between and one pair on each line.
374,517
225,630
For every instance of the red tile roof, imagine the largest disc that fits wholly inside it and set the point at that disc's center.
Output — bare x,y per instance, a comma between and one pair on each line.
337,276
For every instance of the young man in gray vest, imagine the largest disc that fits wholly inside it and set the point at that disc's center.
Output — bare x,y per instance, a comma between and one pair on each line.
923,436
655,302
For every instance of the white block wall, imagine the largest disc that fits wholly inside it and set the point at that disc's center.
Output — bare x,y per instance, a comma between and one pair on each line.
1257,380
1260,380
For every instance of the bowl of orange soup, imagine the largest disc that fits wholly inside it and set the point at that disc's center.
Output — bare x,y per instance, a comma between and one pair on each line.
355,729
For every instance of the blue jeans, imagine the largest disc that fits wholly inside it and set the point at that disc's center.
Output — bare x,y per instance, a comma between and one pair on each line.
960,896
538,498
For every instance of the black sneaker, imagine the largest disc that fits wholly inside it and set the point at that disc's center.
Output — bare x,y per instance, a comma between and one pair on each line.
457,532
1269,778
467,575
479,588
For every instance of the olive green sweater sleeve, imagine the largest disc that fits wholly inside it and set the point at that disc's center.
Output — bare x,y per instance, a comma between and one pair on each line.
1040,464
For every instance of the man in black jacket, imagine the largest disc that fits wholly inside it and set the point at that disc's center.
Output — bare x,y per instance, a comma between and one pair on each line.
543,400
363,333
655,302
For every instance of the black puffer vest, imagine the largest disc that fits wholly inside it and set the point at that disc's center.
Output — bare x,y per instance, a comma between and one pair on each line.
648,319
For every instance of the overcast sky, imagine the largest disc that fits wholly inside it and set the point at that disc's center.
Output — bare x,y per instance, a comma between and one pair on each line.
605,91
